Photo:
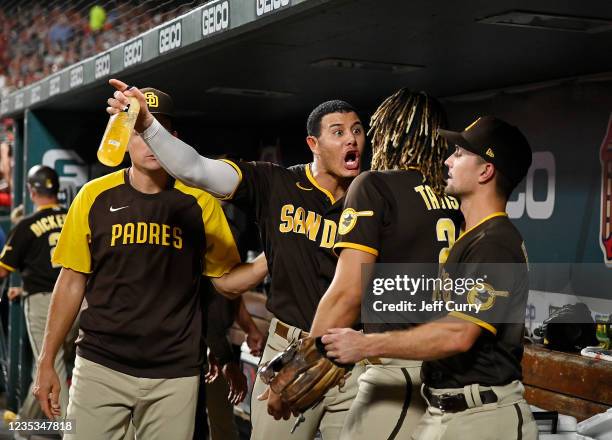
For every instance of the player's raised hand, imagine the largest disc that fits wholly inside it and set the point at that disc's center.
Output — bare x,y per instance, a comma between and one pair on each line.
120,100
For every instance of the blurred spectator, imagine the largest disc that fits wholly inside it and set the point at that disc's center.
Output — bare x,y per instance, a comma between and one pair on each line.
60,32
97,17
38,38
6,162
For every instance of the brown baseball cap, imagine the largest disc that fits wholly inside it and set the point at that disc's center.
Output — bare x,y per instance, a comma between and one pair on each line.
497,142
159,103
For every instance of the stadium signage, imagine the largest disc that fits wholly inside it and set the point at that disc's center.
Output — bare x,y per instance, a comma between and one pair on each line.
72,171
170,37
215,18
19,100
35,94
211,19
544,162
132,53
76,76
54,85
102,66
266,6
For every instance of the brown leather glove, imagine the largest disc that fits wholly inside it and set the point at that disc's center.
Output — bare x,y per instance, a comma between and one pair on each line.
302,374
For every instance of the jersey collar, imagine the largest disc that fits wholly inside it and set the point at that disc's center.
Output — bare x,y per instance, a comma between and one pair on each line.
49,206
319,187
170,184
486,219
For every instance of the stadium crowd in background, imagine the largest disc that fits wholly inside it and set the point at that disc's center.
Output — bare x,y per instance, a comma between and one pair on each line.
7,139
39,38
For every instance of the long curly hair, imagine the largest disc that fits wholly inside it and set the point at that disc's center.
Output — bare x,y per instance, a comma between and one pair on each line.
404,131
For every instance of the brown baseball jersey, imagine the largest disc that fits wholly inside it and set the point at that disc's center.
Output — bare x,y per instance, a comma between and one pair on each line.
397,217
30,245
494,252
297,220
144,255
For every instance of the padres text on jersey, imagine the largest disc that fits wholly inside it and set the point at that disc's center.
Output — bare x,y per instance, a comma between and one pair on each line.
144,254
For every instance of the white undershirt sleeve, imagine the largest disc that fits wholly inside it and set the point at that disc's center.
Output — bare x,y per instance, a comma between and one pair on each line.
184,163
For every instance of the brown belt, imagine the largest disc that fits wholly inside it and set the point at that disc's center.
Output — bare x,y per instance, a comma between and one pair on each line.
452,403
283,329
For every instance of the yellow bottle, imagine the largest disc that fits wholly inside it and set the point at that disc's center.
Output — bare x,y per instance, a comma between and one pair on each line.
117,134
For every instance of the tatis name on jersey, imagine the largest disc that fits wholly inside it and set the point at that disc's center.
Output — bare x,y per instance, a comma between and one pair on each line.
300,221
146,233
432,201
48,223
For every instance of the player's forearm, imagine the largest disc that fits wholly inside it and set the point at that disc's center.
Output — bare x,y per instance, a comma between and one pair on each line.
235,283
242,278
185,164
341,304
244,318
338,308
221,348
65,304
435,340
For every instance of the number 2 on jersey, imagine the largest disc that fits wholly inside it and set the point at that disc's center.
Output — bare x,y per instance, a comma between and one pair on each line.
445,231
53,238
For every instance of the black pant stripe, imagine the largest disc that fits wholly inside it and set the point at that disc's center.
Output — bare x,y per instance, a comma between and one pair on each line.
400,420
519,434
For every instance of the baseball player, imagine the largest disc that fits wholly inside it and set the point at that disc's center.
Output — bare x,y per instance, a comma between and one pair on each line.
396,213
472,367
224,385
28,251
297,210
134,245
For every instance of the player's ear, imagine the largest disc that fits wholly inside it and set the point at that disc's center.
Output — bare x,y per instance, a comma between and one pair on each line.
313,144
487,172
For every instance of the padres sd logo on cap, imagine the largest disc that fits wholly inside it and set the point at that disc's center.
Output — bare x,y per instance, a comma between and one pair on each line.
152,99
158,101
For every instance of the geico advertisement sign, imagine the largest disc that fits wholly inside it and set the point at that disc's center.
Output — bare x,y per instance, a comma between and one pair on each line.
215,18
267,6
170,37
102,66
132,53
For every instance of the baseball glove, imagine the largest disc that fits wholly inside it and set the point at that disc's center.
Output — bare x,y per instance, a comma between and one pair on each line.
302,374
